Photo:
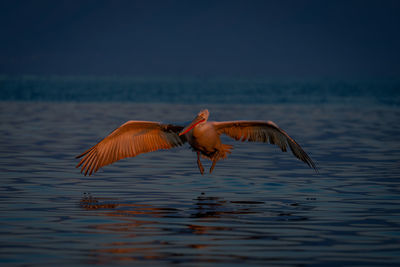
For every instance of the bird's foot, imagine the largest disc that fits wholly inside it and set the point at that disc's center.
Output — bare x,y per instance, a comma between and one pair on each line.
201,169
199,163
212,166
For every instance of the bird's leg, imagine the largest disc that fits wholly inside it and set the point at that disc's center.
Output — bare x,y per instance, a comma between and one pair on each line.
199,163
214,161
213,165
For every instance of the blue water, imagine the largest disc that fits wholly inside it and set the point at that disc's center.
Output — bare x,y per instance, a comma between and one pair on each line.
196,90
259,207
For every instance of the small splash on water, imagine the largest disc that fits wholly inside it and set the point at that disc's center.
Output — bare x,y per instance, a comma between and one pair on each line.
93,203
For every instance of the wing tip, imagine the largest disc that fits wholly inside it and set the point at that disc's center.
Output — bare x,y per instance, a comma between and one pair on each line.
314,166
310,163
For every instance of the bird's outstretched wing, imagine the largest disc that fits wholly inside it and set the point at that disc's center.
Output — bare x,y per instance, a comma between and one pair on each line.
261,131
129,140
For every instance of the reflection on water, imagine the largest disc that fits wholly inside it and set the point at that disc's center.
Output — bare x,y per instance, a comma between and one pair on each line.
220,223
260,207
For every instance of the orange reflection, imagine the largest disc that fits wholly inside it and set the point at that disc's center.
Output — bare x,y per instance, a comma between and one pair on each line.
143,226
201,229
108,253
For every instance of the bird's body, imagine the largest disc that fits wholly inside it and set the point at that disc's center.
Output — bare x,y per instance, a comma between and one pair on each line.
205,138
136,137
206,141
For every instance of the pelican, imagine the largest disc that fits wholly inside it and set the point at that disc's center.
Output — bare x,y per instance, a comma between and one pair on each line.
135,137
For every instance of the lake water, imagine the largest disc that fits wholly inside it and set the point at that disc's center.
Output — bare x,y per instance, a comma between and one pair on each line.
259,207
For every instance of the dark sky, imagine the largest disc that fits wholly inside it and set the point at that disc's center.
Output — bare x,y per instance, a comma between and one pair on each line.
282,38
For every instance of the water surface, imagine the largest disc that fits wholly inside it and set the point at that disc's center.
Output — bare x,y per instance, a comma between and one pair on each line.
259,207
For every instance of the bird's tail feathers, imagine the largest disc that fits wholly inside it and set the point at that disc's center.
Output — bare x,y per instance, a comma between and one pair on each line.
225,150
221,153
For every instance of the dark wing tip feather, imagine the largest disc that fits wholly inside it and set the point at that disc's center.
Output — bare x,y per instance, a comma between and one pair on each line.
266,132
298,151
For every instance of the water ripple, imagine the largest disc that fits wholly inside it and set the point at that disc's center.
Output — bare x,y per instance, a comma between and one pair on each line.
260,206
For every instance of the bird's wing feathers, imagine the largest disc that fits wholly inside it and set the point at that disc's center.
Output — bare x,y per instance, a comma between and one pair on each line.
130,140
261,131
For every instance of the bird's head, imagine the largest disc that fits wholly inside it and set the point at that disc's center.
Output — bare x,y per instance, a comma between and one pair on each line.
204,114
202,117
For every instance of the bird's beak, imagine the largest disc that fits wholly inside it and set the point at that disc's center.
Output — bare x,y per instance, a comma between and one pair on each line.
196,121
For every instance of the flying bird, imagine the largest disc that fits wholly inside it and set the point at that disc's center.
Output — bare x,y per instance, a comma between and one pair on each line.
135,137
